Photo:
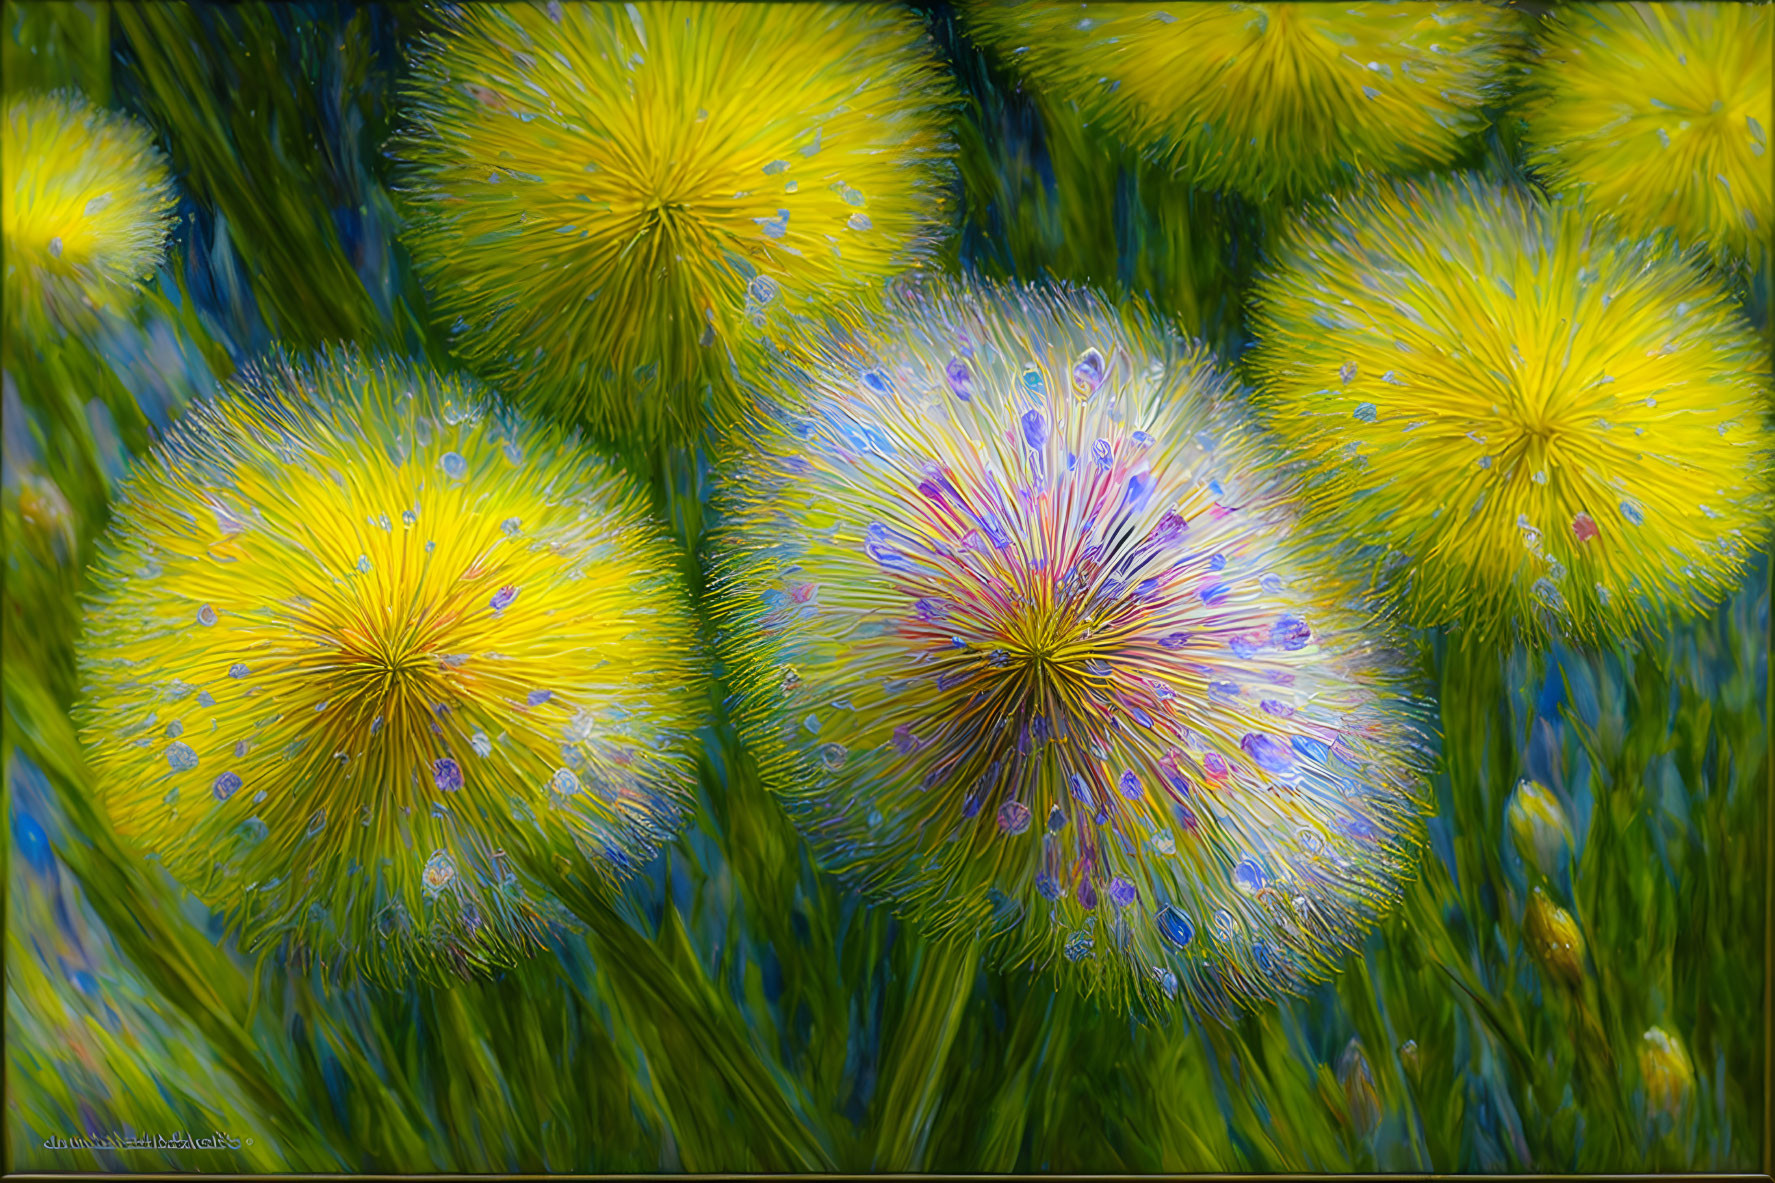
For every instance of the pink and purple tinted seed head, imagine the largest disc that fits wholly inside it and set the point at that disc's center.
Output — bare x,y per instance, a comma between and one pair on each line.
366,654
1024,637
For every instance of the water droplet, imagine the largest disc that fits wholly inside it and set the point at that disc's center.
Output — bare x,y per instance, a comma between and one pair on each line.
1078,945
1175,927
564,782
454,465
55,247
225,786
859,221
1013,817
446,774
1633,513
238,670
206,616
181,757
1366,413
481,744
1247,876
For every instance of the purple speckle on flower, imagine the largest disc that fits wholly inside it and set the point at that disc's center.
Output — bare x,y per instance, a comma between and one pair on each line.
1048,886
503,598
1215,595
1087,894
1174,641
238,670
1035,428
1169,530
1121,892
226,786
447,775
1269,754
1290,633
961,382
1088,371
1140,488
1130,786
1279,709
537,697
1013,817
1101,454
904,740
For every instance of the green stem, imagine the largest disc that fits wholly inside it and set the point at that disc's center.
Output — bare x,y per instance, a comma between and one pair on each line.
913,1074
190,971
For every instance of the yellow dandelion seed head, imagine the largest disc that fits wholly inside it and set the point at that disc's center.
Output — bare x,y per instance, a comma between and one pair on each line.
1529,423
365,648
1660,115
1269,100
612,200
87,207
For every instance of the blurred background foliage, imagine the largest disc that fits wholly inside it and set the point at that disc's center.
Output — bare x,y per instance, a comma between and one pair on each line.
739,1010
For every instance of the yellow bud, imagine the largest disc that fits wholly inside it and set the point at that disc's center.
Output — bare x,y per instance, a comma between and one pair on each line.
1539,826
1408,1056
1554,939
1361,1103
1665,1067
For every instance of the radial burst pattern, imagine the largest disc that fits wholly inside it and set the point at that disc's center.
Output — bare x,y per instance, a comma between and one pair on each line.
88,204
1024,637
364,649
612,199
1528,422
1660,115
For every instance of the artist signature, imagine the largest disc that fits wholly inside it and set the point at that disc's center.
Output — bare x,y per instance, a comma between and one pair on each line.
214,1141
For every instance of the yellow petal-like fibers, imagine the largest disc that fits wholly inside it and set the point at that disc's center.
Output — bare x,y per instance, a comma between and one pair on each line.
365,649
85,204
1660,115
611,200
1529,422
1270,100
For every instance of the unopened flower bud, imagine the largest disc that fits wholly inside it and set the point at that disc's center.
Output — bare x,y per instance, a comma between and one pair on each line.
1361,1103
1554,939
1539,827
1408,1057
1665,1067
